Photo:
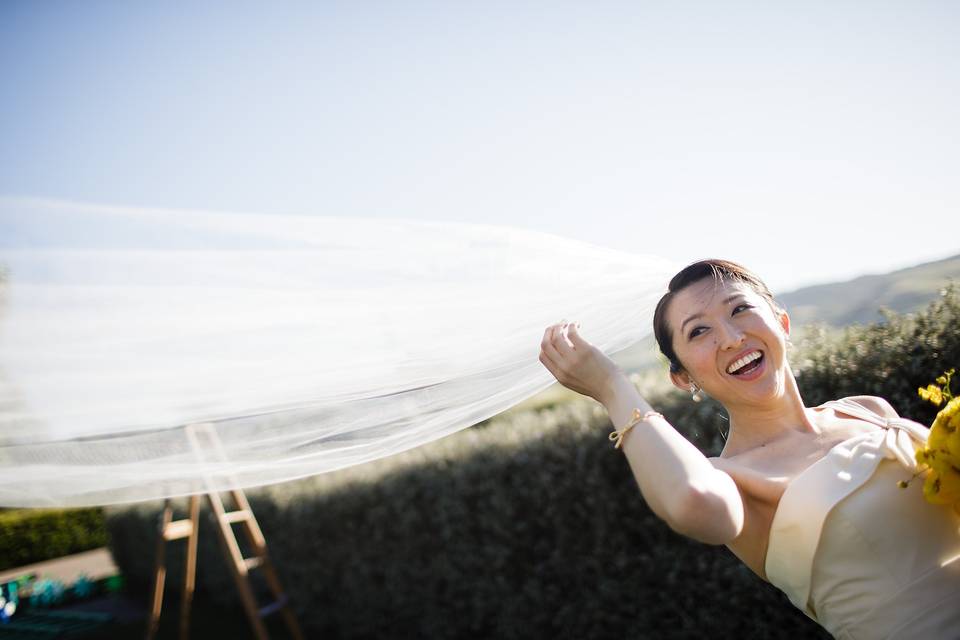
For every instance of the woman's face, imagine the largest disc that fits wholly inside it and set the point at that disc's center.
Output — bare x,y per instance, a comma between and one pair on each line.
729,341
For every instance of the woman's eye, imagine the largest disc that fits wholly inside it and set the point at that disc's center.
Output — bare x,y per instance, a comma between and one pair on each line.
742,306
696,332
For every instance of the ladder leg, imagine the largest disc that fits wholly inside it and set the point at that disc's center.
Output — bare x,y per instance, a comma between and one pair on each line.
203,437
291,621
255,537
250,525
288,616
159,572
190,568
237,566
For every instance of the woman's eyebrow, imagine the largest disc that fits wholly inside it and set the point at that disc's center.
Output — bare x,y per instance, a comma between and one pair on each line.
700,315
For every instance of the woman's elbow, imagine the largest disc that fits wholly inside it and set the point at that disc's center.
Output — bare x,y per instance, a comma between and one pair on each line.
711,515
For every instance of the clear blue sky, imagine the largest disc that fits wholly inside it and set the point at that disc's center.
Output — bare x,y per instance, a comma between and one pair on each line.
813,142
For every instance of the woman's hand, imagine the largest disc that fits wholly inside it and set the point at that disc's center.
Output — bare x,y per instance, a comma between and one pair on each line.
575,363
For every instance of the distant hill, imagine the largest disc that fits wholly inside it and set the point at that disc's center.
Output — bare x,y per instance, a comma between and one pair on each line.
858,301
839,304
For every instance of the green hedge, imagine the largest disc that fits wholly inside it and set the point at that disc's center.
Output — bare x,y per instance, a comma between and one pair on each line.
532,526
33,535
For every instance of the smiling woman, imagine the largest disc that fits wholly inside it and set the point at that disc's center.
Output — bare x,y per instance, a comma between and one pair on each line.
806,497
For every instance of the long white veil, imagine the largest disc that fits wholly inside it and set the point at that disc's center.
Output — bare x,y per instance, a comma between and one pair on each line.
299,345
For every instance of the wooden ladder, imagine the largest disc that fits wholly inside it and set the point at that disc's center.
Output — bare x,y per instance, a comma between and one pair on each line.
240,567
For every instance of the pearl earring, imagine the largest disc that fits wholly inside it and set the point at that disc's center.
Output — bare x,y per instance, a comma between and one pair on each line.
695,394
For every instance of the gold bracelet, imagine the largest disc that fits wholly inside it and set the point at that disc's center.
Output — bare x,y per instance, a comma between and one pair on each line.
617,436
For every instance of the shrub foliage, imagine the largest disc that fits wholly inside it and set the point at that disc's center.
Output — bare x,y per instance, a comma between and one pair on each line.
33,535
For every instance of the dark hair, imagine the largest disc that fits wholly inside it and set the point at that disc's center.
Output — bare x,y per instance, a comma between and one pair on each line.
719,270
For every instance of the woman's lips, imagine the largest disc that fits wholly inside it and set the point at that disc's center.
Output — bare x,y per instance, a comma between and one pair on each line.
755,373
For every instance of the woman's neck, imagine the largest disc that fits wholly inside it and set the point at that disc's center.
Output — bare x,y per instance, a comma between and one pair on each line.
753,425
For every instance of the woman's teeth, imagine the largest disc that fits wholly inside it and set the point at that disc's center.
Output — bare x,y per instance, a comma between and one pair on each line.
744,361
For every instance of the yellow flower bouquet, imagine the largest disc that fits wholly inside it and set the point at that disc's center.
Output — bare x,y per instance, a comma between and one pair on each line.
941,455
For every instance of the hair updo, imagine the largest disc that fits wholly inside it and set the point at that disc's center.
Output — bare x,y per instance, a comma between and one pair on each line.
719,270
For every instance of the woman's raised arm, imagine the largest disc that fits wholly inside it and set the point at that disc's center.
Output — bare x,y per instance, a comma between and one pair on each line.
678,482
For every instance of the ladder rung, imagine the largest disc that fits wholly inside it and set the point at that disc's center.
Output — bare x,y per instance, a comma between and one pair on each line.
238,516
253,563
178,529
273,607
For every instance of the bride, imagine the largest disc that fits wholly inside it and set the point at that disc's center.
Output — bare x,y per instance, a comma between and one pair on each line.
806,497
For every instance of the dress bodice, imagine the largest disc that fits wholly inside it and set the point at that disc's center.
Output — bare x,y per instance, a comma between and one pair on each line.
860,555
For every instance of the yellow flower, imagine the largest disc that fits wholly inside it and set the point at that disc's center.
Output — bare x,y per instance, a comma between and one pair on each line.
942,488
953,444
933,393
952,409
940,458
944,430
955,420
942,462
937,440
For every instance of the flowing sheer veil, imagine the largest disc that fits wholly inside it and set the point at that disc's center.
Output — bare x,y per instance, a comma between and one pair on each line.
304,344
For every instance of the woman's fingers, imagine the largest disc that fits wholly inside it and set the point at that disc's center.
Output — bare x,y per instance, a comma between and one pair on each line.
555,351
574,335
548,363
562,343
548,336
549,348
557,336
557,330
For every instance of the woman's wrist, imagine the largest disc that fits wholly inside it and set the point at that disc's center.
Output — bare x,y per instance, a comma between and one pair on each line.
616,386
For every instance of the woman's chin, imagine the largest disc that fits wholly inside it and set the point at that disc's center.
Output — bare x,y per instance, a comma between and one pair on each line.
762,384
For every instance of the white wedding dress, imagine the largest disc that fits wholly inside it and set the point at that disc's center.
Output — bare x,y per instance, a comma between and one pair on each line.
858,554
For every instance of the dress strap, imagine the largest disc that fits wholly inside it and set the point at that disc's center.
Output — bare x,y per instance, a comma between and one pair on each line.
903,436
857,410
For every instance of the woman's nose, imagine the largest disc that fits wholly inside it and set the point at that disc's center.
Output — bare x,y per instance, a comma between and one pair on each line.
731,336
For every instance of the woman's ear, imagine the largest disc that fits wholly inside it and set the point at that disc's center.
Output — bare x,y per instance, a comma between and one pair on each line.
784,319
680,380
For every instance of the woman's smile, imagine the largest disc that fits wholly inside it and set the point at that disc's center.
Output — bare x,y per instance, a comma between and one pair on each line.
751,370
